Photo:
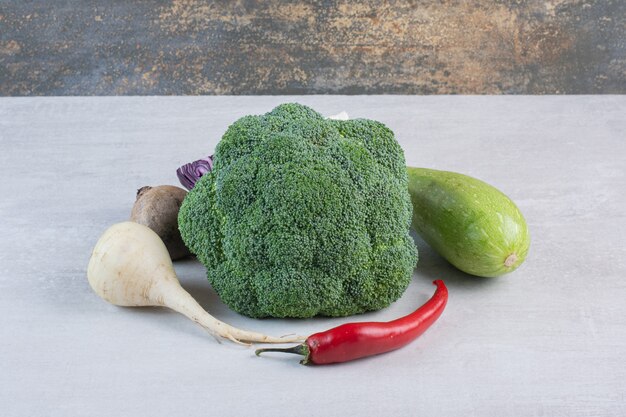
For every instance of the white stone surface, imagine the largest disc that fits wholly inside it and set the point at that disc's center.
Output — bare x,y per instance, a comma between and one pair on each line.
547,340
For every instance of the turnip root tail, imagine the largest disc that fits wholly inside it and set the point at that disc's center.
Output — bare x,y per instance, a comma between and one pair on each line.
182,302
130,266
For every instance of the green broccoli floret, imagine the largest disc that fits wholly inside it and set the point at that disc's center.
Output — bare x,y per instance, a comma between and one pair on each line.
303,216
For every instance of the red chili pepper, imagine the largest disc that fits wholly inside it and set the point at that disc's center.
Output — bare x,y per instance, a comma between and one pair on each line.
357,340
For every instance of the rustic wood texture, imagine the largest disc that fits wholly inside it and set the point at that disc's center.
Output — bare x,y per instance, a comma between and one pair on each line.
89,47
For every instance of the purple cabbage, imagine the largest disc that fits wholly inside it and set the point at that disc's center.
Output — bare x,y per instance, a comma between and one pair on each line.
190,173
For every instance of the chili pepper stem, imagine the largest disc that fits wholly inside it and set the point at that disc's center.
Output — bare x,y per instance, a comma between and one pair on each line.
301,349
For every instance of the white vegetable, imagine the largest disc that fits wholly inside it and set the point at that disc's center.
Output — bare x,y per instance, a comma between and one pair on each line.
130,266
340,116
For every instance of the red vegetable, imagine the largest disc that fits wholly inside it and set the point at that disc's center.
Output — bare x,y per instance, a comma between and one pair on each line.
190,173
357,340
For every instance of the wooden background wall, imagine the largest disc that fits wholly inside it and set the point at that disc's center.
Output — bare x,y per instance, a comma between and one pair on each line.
140,47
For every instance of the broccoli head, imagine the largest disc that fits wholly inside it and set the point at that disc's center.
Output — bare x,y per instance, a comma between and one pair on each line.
303,216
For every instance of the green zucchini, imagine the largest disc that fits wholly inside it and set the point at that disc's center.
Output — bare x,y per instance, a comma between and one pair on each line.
470,223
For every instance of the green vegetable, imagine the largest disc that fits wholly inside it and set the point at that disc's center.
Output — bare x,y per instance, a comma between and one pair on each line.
303,216
470,223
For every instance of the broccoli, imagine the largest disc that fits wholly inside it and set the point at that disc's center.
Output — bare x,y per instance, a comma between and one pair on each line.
303,216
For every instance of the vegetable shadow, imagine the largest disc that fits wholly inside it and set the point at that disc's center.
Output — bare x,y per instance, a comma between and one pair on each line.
432,266
192,276
211,302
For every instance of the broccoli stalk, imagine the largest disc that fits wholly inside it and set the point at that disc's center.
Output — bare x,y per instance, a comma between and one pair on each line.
301,216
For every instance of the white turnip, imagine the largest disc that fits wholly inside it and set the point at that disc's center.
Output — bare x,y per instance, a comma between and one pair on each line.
130,266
